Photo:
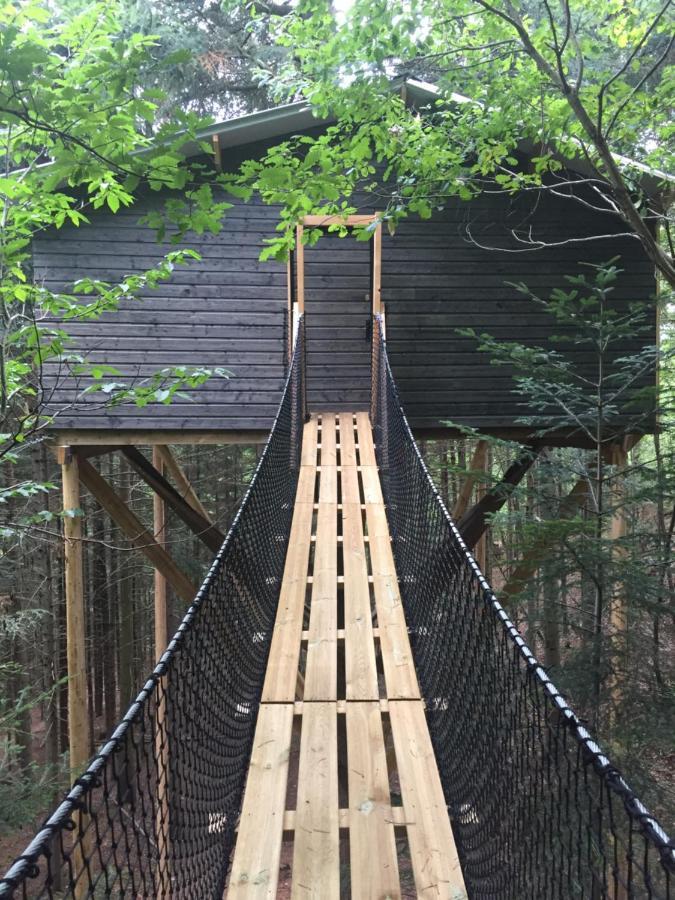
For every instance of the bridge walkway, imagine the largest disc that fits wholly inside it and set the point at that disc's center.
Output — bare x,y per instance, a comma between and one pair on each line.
343,785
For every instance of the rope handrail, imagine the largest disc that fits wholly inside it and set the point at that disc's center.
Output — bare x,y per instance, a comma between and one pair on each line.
155,812
537,808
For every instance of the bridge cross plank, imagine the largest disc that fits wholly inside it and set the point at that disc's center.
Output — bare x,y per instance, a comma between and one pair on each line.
341,705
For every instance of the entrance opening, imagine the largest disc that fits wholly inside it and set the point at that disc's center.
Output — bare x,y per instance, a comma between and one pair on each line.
337,283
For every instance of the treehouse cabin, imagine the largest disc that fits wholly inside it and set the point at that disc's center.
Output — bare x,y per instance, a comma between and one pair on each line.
432,277
343,609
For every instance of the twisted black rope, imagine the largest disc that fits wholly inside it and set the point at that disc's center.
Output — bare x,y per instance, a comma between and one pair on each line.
538,811
154,814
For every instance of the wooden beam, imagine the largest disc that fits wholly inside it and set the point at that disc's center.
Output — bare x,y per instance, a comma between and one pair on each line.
531,561
208,533
474,522
159,527
377,270
325,221
217,157
618,613
477,465
85,452
181,480
71,437
78,716
299,270
481,549
135,530
78,719
161,736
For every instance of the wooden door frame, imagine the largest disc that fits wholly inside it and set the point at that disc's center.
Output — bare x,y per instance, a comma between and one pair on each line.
349,221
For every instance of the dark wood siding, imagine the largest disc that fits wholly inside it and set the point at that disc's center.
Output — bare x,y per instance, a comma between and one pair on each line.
227,310
337,282
436,280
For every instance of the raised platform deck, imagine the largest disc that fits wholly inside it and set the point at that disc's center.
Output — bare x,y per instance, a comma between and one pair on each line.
343,795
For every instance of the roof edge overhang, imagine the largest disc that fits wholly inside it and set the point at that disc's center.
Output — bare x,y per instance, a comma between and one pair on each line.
299,116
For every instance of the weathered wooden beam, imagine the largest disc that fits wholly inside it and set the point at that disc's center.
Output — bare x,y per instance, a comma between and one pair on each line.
76,654
161,736
208,533
618,612
217,156
531,561
181,480
474,522
377,270
78,719
159,527
299,270
477,465
71,437
134,529
87,452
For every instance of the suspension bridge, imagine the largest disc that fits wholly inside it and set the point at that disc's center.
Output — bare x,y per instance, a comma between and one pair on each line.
347,710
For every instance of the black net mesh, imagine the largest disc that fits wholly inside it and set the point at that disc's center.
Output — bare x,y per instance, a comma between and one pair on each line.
155,813
538,810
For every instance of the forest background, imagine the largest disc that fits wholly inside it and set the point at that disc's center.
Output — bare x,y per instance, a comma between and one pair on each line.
580,552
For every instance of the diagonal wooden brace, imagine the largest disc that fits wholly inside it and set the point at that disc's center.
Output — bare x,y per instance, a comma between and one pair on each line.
473,523
135,530
205,530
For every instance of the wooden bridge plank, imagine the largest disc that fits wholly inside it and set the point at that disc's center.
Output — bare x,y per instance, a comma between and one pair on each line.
306,485
328,440
347,444
432,846
397,660
282,666
255,867
365,434
372,846
321,668
360,665
328,491
309,442
316,856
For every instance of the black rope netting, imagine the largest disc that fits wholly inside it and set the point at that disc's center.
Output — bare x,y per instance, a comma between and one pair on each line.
155,813
538,811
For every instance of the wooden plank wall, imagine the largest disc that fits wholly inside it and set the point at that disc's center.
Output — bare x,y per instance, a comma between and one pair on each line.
226,310
337,280
230,309
435,280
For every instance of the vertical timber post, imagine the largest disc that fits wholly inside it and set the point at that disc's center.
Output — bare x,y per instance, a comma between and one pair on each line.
482,545
161,738
78,718
618,613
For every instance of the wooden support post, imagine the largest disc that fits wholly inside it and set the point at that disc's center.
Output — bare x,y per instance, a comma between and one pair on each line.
136,531
618,613
78,727
78,718
161,737
377,270
477,465
481,552
299,270
159,528
217,156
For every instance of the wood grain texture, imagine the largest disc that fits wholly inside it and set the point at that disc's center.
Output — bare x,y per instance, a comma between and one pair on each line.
255,867
316,855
